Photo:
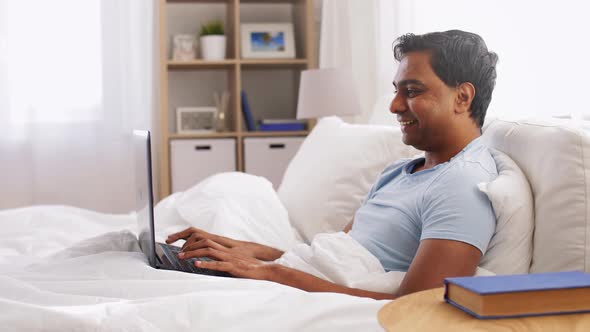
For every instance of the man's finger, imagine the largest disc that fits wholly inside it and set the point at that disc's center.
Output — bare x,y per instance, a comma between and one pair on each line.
203,243
215,265
205,252
181,235
191,239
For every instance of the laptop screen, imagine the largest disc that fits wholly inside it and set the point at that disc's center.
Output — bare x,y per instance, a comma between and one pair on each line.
144,207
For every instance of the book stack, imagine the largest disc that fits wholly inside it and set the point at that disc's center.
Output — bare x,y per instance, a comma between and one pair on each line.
282,125
520,295
269,124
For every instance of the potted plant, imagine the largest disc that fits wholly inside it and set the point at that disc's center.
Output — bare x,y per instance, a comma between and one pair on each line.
212,41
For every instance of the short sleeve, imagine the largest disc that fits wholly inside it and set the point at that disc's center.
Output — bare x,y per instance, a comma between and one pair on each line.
455,209
390,171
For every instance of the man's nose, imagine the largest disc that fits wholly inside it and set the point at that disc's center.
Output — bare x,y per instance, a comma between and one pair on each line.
398,104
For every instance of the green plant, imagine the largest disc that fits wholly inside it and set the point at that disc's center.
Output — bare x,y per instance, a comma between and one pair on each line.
212,28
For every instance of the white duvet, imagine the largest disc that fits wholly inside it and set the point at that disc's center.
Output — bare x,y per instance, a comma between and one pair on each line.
68,269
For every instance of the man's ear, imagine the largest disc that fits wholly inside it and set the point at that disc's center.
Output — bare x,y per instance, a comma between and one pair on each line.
465,95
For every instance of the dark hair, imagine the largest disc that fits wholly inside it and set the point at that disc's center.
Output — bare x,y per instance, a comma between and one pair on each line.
457,57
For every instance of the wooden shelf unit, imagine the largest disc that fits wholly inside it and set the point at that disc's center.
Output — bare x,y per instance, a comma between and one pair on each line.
233,65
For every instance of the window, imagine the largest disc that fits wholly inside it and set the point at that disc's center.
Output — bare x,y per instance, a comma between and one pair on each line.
52,62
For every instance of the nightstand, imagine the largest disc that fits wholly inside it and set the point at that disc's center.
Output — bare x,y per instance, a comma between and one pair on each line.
427,311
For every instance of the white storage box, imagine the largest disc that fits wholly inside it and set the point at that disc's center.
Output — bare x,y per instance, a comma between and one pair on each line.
193,160
270,156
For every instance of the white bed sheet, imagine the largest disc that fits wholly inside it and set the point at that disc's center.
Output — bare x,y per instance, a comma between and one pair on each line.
68,269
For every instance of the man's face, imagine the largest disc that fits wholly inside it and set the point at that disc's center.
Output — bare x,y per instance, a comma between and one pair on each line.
424,104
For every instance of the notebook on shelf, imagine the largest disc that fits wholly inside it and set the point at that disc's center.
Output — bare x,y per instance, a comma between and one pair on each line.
282,125
506,296
248,118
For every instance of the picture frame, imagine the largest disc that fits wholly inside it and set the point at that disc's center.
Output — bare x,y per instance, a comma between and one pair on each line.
196,120
267,40
183,47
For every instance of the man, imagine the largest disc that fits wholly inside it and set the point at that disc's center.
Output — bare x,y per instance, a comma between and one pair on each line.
424,216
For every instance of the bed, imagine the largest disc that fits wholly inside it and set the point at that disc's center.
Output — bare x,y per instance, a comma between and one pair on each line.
65,268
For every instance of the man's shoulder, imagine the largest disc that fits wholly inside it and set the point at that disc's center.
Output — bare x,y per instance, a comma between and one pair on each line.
475,160
474,167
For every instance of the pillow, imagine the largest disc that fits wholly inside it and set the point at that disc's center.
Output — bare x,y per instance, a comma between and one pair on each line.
555,157
233,204
511,249
333,171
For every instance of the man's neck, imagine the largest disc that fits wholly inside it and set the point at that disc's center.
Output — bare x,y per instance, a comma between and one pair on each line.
433,158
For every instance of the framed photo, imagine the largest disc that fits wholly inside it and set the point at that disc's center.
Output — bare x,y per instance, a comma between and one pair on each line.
267,40
183,47
195,120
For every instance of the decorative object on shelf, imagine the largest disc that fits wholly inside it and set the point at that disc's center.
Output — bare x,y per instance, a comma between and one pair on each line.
267,40
183,47
325,92
221,102
195,120
248,119
282,125
212,41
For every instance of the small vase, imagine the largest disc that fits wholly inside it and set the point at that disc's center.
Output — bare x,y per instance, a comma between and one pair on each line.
213,47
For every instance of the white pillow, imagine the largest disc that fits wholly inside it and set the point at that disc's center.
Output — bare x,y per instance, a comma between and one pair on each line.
334,170
555,157
511,249
233,204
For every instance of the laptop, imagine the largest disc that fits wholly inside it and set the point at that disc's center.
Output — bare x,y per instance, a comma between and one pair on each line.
159,255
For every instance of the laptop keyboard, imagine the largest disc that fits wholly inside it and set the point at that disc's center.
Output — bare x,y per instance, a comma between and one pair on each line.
188,265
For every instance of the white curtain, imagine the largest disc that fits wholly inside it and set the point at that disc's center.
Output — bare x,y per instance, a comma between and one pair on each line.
348,40
76,76
542,45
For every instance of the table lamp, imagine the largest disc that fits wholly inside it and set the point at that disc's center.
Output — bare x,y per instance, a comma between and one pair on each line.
325,92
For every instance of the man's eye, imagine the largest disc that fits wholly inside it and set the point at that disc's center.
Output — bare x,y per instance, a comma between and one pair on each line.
412,92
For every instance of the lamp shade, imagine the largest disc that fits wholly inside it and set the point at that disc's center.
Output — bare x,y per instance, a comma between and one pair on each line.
325,92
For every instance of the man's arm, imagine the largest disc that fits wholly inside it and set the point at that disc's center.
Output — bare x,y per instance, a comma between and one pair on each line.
435,260
247,267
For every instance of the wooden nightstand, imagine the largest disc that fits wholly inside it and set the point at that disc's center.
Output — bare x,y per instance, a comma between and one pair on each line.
427,311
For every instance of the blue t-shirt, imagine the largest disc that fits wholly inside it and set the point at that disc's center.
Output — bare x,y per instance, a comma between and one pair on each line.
442,202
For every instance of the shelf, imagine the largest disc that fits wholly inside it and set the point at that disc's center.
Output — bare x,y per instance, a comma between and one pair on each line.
205,64
271,1
230,134
198,1
272,83
230,1
274,133
233,134
272,62
200,64
241,1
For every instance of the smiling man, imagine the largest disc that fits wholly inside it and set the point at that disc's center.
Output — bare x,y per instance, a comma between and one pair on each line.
424,216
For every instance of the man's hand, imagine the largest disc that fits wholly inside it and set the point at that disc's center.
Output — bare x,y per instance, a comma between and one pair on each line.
198,239
228,260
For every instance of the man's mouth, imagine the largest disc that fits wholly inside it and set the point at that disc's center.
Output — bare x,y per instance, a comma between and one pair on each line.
407,123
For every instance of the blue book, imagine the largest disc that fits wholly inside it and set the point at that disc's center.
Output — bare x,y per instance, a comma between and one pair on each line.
248,119
281,126
520,295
